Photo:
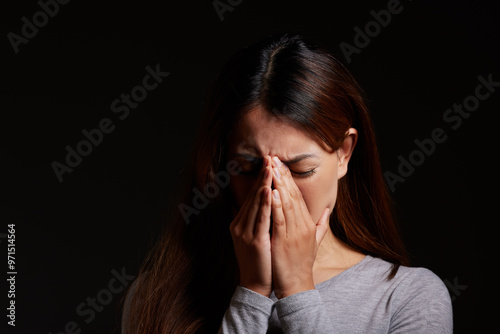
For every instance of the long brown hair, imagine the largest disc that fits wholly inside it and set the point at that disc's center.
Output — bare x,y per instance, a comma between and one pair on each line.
186,283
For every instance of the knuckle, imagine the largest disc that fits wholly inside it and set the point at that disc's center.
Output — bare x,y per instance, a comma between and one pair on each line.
255,203
298,194
295,194
256,200
247,239
234,231
288,205
308,229
277,204
303,234
261,189
255,243
279,222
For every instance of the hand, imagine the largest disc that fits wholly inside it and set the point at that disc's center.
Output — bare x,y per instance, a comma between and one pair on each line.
296,237
250,234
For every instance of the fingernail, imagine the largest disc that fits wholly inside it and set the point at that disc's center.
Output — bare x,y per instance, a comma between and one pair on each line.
266,173
277,161
277,173
276,194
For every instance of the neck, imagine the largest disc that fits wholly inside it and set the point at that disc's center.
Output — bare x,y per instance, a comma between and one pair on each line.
335,254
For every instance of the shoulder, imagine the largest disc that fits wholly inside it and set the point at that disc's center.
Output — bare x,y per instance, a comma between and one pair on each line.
406,278
420,280
415,300
408,283
370,277
422,285
421,300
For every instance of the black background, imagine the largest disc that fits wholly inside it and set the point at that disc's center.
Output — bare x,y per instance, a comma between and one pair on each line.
70,235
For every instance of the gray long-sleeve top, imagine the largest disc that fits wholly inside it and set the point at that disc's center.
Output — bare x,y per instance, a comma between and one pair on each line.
359,300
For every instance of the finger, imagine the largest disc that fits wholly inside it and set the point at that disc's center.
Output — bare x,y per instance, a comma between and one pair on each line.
257,202
279,225
261,180
322,226
265,180
290,195
267,165
286,177
264,217
250,205
300,210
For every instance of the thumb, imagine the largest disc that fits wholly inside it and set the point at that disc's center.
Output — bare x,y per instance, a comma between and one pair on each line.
322,226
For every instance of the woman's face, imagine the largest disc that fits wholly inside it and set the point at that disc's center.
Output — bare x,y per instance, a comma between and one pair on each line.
314,167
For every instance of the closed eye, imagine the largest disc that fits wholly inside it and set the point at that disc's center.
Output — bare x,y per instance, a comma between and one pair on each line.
304,174
298,174
251,165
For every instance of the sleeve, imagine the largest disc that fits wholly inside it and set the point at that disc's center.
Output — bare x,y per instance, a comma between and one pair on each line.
303,312
248,312
424,305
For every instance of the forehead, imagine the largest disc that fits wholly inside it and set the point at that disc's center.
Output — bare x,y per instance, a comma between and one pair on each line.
260,133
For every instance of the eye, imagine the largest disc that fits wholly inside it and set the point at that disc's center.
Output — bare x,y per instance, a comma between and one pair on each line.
304,174
251,168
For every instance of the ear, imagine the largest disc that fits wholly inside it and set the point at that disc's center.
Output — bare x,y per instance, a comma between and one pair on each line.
344,152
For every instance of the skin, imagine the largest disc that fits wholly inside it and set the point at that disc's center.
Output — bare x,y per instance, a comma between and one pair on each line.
301,249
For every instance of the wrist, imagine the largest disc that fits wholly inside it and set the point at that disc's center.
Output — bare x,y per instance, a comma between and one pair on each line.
262,290
291,290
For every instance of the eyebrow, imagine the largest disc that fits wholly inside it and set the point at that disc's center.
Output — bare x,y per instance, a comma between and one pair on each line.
292,161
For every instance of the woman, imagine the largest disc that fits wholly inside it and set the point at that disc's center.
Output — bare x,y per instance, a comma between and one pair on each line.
286,224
